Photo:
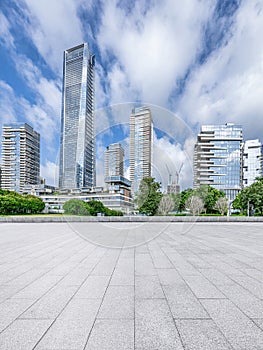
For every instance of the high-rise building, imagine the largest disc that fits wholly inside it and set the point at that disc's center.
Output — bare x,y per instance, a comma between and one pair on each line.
218,158
77,144
20,156
114,160
140,145
252,161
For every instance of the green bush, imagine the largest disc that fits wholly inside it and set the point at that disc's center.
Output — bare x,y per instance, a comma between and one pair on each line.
14,203
93,207
75,207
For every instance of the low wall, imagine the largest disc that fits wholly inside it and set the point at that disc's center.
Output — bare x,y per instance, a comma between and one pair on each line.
35,219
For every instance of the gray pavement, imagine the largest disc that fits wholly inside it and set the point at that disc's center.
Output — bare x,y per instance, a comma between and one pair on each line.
192,286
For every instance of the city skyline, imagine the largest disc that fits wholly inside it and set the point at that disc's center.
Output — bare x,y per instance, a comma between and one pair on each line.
202,61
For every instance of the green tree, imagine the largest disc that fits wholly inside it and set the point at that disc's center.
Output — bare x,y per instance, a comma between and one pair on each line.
176,199
14,203
251,196
75,207
95,207
184,195
209,196
149,196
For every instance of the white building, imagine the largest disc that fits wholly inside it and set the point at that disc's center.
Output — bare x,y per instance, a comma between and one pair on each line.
20,156
252,161
218,158
140,145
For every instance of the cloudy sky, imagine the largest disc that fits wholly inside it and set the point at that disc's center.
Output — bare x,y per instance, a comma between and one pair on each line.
199,61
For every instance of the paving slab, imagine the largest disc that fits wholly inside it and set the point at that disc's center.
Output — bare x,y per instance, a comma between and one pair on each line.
154,326
112,335
201,335
23,334
186,286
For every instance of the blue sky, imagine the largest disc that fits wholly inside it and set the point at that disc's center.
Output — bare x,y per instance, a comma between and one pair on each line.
200,61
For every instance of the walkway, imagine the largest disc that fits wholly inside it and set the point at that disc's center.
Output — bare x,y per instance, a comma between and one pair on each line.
192,287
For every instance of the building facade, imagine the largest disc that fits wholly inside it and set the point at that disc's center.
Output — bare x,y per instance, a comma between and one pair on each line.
114,160
218,158
140,145
252,161
116,200
20,156
77,144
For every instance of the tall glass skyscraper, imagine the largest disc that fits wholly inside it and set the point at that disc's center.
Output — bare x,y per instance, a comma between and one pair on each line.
20,156
140,145
77,144
218,158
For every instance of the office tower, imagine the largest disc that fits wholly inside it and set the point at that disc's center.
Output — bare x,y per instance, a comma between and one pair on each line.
252,161
113,160
217,158
77,143
20,156
140,145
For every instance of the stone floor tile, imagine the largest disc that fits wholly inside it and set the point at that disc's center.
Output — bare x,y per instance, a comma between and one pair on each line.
112,335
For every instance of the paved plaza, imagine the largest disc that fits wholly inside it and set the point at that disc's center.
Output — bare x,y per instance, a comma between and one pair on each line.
122,286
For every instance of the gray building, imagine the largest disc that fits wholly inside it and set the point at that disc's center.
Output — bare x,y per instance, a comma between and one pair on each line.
140,145
114,160
20,156
218,158
252,161
77,144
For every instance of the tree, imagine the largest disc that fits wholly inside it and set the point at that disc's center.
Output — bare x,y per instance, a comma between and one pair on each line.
195,205
222,205
209,195
166,205
75,207
12,202
184,195
149,196
251,196
94,207
176,197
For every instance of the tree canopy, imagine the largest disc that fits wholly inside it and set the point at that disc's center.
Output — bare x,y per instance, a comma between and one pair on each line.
14,203
149,196
93,207
251,196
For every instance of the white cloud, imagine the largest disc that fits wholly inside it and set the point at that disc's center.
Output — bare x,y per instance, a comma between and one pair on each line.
7,103
170,159
5,35
13,106
153,48
53,27
228,87
48,91
49,171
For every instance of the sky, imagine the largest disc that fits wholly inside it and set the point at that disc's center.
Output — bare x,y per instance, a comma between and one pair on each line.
194,62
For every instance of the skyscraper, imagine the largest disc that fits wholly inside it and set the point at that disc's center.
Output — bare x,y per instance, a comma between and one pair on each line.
20,156
217,158
140,145
252,161
77,143
113,160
